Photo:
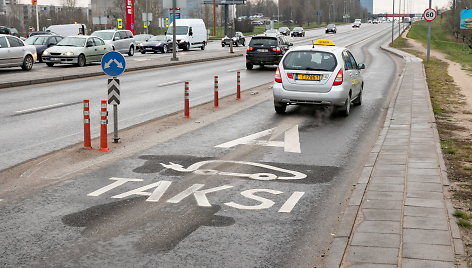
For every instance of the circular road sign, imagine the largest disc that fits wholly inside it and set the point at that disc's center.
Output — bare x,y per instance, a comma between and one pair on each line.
430,14
30,28
113,63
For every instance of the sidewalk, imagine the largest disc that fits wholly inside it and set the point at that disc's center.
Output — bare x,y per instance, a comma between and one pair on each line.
398,214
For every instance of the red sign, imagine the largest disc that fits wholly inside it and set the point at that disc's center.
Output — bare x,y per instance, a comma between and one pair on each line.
30,28
130,16
430,14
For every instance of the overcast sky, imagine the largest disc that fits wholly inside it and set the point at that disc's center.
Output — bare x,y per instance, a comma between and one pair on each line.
380,6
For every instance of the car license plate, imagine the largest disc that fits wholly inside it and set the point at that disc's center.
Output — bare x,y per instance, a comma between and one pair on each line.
263,50
310,77
53,59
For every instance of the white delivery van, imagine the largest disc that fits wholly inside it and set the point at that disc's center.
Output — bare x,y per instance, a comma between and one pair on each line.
67,29
189,33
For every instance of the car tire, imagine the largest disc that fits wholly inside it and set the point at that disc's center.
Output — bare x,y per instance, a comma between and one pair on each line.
203,46
143,52
187,47
27,63
244,43
131,51
81,62
346,109
222,45
50,64
164,49
358,100
249,66
280,108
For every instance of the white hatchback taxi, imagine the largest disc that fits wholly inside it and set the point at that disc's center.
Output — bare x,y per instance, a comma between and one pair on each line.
322,74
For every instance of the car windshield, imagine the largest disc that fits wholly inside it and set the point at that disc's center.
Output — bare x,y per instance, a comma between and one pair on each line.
283,29
310,60
265,42
72,42
104,35
37,40
160,38
180,30
330,26
141,37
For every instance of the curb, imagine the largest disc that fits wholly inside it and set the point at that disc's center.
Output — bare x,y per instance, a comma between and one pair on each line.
93,74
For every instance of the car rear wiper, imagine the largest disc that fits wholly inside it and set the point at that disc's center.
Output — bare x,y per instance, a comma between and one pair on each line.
315,69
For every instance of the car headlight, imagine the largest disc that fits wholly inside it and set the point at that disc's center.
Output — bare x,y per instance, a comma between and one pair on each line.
69,53
45,53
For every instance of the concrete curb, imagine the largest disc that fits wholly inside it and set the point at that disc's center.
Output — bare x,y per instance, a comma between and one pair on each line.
100,73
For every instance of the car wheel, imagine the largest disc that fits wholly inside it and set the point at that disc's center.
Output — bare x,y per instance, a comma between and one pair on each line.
81,60
50,64
358,100
222,45
249,66
164,49
280,108
143,52
131,51
27,63
203,46
187,47
346,109
244,43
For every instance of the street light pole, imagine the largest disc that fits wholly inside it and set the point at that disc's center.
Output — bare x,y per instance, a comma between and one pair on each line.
37,17
393,19
147,19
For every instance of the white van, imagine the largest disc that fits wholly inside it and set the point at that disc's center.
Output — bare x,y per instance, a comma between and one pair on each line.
67,29
189,33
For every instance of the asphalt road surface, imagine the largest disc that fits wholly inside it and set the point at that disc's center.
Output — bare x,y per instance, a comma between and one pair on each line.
256,189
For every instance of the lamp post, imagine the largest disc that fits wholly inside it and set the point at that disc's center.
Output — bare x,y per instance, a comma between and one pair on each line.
393,19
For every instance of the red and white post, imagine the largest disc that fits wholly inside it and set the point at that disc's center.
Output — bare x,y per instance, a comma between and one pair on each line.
103,127
215,101
187,101
87,138
238,85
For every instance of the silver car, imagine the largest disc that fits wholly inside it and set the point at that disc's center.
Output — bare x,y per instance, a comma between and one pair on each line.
120,40
15,53
322,74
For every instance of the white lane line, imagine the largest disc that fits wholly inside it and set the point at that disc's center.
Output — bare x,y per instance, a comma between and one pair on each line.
170,83
232,70
40,108
291,202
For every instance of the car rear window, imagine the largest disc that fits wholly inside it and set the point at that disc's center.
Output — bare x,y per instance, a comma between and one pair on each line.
263,42
310,60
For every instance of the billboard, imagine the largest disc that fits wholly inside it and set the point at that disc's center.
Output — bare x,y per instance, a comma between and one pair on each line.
466,19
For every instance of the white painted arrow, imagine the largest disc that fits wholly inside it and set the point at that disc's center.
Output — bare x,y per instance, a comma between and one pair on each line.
118,64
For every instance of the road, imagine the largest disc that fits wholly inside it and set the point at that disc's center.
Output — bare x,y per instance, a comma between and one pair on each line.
256,189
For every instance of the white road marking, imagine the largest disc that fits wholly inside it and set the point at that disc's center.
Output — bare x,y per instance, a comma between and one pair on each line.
292,140
40,108
154,196
265,203
232,70
200,196
170,83
145,59
291,202
118,182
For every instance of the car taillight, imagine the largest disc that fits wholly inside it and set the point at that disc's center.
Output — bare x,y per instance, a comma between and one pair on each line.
250,49
278,77
339,78
290,75
276,49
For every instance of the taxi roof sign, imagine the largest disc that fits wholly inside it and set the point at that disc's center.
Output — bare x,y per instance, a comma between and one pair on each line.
324,43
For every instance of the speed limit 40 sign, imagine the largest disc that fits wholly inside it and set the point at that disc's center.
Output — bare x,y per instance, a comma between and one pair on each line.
430,14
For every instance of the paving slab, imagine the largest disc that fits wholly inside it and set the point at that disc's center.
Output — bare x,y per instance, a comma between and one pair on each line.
372,255
385,187
384,195
429,187
388,179
424,212
415,263
383,227
383,204
426,223
382,214
425,195
424,178
420,202
428,252
376,240
428,237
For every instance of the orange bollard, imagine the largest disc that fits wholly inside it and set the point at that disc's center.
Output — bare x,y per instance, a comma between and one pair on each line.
238,86
186,101
215,101
103,127
87,138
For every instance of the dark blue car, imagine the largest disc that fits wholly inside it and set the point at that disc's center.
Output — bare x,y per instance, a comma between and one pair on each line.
41,42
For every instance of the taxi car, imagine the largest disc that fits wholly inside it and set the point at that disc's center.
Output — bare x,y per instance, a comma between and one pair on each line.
321,74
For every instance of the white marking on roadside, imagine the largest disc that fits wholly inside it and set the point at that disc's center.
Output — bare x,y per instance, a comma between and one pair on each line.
232,70
291,202
292,140
161,188
40,108
200,196
265,203
118,182
170,83
145,59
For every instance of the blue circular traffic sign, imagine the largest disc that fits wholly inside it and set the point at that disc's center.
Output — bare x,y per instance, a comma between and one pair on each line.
113,63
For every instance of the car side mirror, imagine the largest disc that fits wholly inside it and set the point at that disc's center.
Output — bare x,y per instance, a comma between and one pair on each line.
190,33
290,44
361,66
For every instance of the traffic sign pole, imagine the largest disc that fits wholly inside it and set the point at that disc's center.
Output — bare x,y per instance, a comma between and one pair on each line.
429,15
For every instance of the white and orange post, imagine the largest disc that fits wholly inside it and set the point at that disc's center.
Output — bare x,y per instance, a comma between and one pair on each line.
103,127
238,85
187,101
215,100
87,138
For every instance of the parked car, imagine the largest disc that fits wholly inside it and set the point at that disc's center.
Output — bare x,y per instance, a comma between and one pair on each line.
10,31
237,39
42,42
159,43
266,50
322,74
79,50
285,31
40,33
139,38
330,28
298,31
189,33
15,53
67,29
120,40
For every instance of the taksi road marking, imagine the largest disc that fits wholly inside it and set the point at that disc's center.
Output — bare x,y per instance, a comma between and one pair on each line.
291,142
199,194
